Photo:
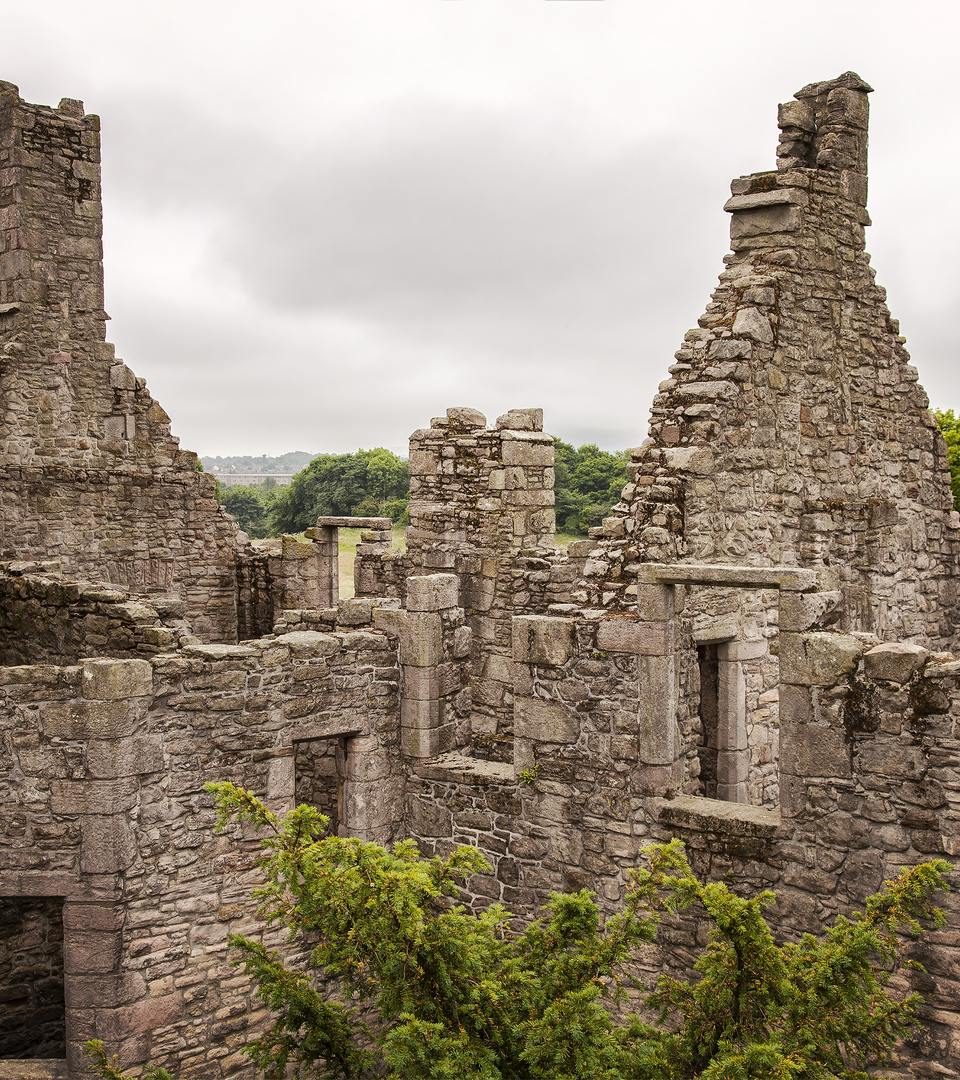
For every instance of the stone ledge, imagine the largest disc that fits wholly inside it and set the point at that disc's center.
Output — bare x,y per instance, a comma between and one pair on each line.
789,578
779,197
715,815
458,767
33,1069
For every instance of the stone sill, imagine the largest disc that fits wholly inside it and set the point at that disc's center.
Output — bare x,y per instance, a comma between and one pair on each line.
716,815
33,1069
458,767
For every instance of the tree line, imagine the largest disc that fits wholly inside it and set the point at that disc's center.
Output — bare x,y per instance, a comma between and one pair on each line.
375,483
588,482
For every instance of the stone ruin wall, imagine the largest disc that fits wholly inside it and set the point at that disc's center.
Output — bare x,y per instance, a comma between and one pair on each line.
868,783
480,499
792,428
104,767
46,618
546,707
89,472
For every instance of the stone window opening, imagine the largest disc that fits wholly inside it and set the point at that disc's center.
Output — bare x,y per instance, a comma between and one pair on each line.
708,749
319,769
724,753
32,1009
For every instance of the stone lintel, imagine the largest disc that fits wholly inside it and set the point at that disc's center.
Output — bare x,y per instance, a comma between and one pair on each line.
788,578
38,1069
347,522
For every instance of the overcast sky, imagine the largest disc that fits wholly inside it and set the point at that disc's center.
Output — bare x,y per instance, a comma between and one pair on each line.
326,222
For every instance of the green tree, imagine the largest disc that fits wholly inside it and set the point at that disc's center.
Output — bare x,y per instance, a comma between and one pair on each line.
949,425
588,483
366,482
457,994
250,505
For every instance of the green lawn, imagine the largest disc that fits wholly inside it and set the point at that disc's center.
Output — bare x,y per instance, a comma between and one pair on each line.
349,538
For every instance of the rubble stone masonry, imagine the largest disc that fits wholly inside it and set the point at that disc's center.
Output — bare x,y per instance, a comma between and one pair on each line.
89,472
755,653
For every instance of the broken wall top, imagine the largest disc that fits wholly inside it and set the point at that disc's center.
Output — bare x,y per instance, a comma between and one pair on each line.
792,428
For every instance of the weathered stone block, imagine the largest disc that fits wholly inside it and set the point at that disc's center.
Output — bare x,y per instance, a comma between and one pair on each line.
432,592
108,845
806,611
544,721
419,712
895,661
91,951
542,639
89,719
752,323
465,419
779,218
521,420
527,452
818,659
113,680
638,638
743,650
421,640
655,603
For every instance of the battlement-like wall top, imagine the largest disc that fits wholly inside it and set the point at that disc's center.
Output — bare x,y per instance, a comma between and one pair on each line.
825,126
461,419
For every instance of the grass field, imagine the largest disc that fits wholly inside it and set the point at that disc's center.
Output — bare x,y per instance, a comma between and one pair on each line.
349,538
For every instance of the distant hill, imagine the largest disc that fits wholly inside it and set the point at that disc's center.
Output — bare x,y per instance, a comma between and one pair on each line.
291,462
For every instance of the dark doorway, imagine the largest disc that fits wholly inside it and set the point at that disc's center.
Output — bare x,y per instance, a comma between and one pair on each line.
31,977
319,766
708,750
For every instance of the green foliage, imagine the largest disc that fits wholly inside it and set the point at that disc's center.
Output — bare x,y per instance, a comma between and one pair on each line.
588,482
107,1068
949,425
250,505
455,994
528,775
368,482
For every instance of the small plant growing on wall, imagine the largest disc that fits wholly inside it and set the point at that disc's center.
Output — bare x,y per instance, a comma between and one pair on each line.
528,776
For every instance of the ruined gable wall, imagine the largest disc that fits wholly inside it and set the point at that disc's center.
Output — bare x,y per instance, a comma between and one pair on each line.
89,472
792,428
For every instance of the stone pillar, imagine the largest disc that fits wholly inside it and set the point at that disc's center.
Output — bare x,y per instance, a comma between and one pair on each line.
326,540
658,685
100,995
434,650
733,751
478,498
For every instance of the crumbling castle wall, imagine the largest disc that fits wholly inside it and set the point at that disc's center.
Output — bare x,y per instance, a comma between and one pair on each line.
868,776
792,428
710,667
89,472
45,618
479,498
103,791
